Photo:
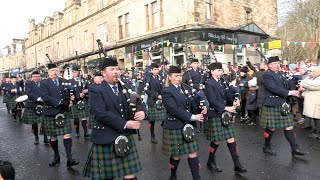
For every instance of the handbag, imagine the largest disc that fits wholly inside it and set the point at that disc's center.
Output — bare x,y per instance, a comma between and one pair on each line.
285,109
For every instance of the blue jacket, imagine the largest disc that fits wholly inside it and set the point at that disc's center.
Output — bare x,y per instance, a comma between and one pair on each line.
216,96
33,92
77,87
179,106
251,100
11,86
154,90
195,77
110,112
276,88
52,95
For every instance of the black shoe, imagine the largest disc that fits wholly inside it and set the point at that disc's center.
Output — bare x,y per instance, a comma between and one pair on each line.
55,161
36,142
213,167
269,150
77,135
240,169
86,135
297,152
46,141
72,162
153,140
173,177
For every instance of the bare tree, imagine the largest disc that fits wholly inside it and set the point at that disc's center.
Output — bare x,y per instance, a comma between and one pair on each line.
300,24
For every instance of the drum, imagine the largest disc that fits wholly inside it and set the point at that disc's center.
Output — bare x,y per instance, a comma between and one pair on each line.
21,99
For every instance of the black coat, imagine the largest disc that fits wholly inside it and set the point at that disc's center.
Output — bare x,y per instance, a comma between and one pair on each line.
276,88
11,86
53,95
179,106
33,92
110,112
216,96
154,90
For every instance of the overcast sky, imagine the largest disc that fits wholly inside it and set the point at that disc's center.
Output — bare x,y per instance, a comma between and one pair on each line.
15,15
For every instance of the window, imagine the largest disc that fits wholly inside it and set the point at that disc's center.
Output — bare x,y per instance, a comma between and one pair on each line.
120,21
70,45
100,4
155,19
105,3
70,17
58,50
161,13
127,19
208,9
86,40
48,30
85,8
147,17
58,24
103,32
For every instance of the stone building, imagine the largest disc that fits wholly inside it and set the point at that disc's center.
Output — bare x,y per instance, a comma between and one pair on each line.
13,59
139,31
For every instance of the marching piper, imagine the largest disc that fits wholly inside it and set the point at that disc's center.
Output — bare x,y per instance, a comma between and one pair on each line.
275,112
113,153
156,111
217,129
179,136
13,92
30,114
56,102
79,112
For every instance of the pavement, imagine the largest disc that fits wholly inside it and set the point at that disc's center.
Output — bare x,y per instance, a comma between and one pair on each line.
31,161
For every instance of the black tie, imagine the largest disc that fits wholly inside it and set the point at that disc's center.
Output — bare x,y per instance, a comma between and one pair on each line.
179,87
219,81
115,90
56,82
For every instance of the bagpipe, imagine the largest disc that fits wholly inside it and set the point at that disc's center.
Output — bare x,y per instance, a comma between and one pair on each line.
80,104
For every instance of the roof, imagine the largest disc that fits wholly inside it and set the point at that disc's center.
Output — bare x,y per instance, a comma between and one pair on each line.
251,27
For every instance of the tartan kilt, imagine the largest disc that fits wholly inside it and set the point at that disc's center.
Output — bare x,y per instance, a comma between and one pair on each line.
77,113
29,116
91,120
174,144
5,98
51,129
102,162
12,104
155,114
217,132
271,117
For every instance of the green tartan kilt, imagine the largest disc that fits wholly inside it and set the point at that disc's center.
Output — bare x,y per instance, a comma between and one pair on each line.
29,116
77,113
91,120
51,129
155,114
5,98
12,104
217,132
174,144
271,117
102,162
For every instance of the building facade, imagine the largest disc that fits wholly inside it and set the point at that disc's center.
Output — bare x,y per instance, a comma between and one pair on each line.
141,31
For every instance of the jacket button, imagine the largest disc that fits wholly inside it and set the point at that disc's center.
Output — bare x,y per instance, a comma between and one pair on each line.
122,116
121,110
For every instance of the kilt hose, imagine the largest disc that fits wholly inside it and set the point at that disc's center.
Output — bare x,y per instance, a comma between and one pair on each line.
77,113
50,128
271,117
102,162
29,116
12,104
155,114
217,132
174,144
